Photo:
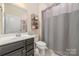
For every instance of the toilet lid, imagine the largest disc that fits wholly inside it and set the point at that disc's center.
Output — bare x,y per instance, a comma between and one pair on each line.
41,43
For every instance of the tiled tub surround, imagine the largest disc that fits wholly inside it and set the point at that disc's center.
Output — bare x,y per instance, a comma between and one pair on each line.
17,46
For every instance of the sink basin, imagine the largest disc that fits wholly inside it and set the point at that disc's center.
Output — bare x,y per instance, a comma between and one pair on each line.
24,35
11,39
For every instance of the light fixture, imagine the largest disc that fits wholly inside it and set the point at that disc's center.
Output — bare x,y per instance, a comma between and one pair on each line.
21,5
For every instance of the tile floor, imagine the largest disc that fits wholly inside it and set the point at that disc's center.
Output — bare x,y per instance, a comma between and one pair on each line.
48,52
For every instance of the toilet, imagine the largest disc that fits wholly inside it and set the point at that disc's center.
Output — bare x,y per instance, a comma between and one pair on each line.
41,47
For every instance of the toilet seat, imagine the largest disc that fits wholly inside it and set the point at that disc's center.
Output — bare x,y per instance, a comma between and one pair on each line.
41,47
40,43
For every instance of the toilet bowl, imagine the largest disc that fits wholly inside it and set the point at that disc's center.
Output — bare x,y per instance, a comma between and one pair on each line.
41,47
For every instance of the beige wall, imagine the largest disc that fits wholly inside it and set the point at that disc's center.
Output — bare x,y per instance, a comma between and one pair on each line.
31,9
36,9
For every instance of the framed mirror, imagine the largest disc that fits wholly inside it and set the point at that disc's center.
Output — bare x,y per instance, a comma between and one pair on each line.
14,19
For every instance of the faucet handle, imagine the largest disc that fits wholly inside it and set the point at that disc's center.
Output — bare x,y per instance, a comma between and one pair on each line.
18,35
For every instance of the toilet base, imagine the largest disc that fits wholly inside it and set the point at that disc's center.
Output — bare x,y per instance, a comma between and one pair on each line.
36,52
42,52
41,47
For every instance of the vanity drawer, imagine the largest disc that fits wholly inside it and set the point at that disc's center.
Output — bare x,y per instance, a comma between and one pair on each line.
29,41
29,47
30,53
11,47
18,52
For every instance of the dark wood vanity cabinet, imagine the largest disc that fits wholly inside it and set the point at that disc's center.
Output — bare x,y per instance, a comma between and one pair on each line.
29,47
20,48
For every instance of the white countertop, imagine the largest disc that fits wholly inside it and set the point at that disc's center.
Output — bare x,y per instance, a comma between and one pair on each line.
8,40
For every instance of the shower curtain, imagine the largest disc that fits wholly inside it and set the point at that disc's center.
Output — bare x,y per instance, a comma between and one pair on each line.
61,28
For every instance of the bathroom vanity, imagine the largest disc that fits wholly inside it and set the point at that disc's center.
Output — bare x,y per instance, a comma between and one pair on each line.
20,46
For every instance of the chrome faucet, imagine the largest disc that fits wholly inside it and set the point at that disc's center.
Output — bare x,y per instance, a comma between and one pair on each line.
18,35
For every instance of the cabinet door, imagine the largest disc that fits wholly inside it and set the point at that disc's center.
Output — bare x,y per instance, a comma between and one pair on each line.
30,53
29,41
29,47
11,47
18,52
